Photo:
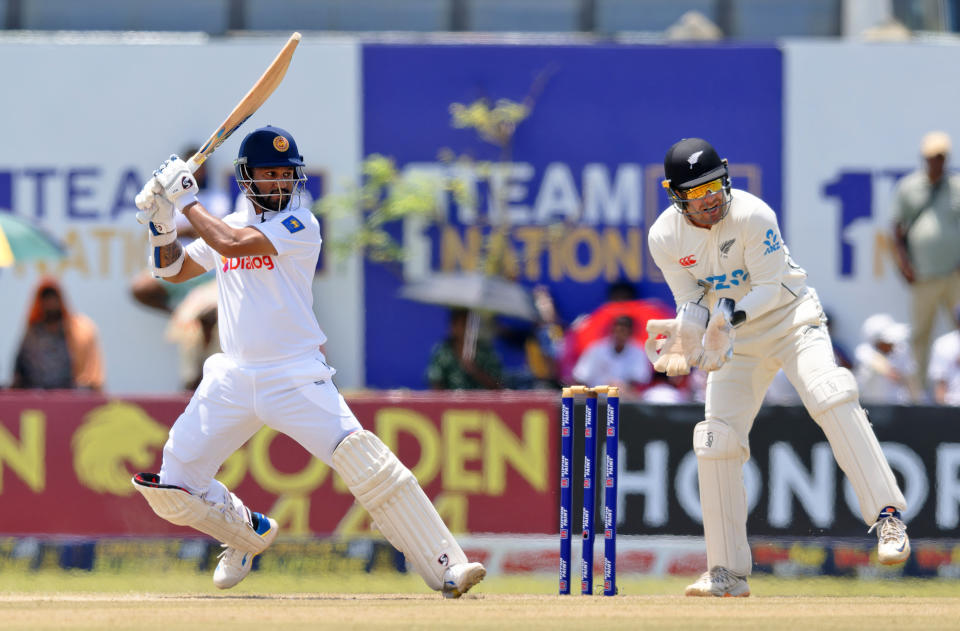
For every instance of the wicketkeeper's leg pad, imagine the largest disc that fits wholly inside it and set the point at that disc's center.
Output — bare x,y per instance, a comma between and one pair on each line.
399,507
832,399
230,524
723,499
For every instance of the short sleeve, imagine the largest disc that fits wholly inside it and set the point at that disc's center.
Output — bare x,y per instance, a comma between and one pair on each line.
293,234
202,254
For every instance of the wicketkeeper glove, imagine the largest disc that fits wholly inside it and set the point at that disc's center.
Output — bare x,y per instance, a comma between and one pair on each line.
719,336
681,349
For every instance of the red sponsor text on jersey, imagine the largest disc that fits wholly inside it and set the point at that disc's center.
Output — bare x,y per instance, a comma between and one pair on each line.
247,262
687,261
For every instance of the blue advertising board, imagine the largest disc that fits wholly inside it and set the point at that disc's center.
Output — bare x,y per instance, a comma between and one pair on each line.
577,185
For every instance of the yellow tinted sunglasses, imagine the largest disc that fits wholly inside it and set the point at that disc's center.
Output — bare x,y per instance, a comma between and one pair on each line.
703,190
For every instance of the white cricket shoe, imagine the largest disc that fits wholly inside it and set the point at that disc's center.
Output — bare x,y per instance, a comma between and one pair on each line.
459,578
893,544
234,563
720,582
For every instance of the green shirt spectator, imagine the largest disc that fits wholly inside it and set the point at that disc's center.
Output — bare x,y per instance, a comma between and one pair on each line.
450,368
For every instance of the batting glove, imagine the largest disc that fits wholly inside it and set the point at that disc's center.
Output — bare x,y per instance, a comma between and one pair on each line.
179,185
157,213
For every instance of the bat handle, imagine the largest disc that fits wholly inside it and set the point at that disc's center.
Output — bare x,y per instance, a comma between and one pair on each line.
194,162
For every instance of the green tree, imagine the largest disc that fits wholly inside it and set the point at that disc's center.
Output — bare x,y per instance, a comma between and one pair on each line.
387,195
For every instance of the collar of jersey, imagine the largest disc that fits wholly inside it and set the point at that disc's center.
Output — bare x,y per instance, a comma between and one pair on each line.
267,215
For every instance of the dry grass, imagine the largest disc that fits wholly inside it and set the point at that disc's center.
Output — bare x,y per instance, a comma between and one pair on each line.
60,600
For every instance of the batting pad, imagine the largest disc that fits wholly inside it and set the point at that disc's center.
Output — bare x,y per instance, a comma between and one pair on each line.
723,499
833,403
228,524
399,507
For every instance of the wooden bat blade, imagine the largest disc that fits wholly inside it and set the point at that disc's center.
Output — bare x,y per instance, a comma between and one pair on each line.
250,103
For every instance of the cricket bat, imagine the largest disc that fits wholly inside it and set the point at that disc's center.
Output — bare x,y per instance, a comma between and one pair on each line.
249,104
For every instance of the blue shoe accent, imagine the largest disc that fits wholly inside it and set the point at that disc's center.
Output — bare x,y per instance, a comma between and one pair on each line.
263,524
888,511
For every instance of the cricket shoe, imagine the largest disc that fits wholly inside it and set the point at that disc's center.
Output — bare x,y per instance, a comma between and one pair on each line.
459,578
893,543
235,564
719,582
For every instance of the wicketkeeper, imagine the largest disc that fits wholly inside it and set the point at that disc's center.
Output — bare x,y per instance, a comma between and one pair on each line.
744,311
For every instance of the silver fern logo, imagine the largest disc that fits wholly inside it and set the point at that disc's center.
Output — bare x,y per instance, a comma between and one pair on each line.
725,247
694,157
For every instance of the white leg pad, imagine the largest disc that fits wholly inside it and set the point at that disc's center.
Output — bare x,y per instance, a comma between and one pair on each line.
399,507
229,524
833,403
723,499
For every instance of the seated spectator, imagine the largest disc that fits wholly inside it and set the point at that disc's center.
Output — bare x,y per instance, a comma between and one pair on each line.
616,360
883,365
944,371
60,348
545,345
664,390
457,363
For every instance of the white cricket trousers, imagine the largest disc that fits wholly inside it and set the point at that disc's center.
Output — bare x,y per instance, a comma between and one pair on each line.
233,401
734,395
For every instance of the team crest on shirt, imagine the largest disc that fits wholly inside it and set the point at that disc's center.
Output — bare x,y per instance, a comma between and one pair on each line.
292,224
725,247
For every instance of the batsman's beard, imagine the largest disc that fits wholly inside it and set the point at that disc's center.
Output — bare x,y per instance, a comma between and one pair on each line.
276,201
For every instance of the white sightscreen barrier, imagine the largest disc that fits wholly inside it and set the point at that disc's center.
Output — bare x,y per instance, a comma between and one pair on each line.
854,114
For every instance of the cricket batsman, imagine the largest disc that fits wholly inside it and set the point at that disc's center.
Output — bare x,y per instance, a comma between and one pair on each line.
272,371
744,311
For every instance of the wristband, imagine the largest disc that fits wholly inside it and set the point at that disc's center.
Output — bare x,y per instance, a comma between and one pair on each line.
692,312
170,270
184,200
159,237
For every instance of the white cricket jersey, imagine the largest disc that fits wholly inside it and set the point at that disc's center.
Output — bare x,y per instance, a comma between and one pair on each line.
741,257
265,303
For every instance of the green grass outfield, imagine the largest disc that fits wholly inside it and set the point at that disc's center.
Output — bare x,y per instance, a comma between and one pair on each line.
55,599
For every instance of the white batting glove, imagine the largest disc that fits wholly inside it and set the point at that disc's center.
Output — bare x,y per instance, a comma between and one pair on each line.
719,336
179,185
682,347
156,212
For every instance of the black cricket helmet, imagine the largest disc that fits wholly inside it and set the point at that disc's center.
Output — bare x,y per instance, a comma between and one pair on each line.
693,170
269,147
